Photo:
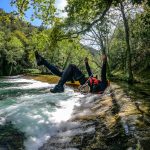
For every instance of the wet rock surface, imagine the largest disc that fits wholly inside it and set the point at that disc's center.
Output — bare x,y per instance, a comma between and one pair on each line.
134,118
111,121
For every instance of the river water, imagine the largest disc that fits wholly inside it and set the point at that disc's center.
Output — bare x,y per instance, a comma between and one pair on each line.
33,110
30,107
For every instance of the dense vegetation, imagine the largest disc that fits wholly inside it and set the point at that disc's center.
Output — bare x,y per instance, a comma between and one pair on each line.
118,28
19,40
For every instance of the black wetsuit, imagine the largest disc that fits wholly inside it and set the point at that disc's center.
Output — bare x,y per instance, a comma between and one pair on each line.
73,72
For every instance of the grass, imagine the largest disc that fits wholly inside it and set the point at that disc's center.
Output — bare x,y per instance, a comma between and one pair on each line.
139,77
31,71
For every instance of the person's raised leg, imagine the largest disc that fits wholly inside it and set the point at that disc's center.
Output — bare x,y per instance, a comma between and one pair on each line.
103,83
103,70
41,61
70,72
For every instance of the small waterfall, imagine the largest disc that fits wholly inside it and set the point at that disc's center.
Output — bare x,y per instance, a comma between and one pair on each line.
32,109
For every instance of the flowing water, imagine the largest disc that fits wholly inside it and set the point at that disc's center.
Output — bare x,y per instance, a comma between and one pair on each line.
33,110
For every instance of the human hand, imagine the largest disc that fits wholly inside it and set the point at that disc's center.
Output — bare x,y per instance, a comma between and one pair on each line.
104,57
86,59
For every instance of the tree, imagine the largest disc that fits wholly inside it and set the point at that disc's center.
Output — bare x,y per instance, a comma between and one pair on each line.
42,9
82,15
14,52
127,37
23,38
117,47
140,38
2,51
98,38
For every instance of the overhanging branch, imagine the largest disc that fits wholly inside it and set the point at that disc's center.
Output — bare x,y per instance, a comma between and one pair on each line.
97,20
76,34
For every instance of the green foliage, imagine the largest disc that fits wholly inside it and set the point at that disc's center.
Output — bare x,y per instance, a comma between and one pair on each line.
117,49
82,11
42,9
2,35
19,40
79,11
14,50
21,36
71,52
39,40
13,44
57,51
31,71
139,41
140,37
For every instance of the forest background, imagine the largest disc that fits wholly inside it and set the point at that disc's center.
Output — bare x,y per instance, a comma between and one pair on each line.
120,29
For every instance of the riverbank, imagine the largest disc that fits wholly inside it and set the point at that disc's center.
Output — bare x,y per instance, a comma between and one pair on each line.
108,121
139,77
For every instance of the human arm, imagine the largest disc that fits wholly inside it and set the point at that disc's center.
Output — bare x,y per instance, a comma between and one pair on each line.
88,67
104,66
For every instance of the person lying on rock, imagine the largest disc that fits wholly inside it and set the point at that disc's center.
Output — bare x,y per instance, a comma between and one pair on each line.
72,72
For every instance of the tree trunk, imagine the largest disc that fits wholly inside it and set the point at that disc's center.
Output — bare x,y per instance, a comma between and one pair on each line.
108,56
10,71
127,36
1,66
4,67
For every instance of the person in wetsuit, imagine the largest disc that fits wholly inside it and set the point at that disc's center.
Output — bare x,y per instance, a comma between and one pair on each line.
72,72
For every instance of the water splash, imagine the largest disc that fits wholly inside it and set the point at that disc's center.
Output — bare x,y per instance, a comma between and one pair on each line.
37,114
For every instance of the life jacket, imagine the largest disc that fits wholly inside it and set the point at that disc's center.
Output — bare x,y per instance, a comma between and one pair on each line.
93,81
97,85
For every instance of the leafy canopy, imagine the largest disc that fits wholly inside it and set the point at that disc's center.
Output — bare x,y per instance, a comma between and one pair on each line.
42,9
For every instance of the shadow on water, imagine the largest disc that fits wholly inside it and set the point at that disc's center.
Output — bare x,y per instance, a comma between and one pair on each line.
11,138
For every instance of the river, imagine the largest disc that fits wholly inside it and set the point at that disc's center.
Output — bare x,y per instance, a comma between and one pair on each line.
33,110
36,115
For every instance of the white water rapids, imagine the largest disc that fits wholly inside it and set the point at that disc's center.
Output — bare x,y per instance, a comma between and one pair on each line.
32,109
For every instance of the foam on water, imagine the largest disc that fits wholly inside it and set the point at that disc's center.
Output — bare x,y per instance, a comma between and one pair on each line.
32,84
37,115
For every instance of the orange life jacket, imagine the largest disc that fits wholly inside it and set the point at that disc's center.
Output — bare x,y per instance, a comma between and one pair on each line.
93,80
94,84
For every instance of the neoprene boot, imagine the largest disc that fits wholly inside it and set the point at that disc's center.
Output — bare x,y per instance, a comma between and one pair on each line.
57,89
39,59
